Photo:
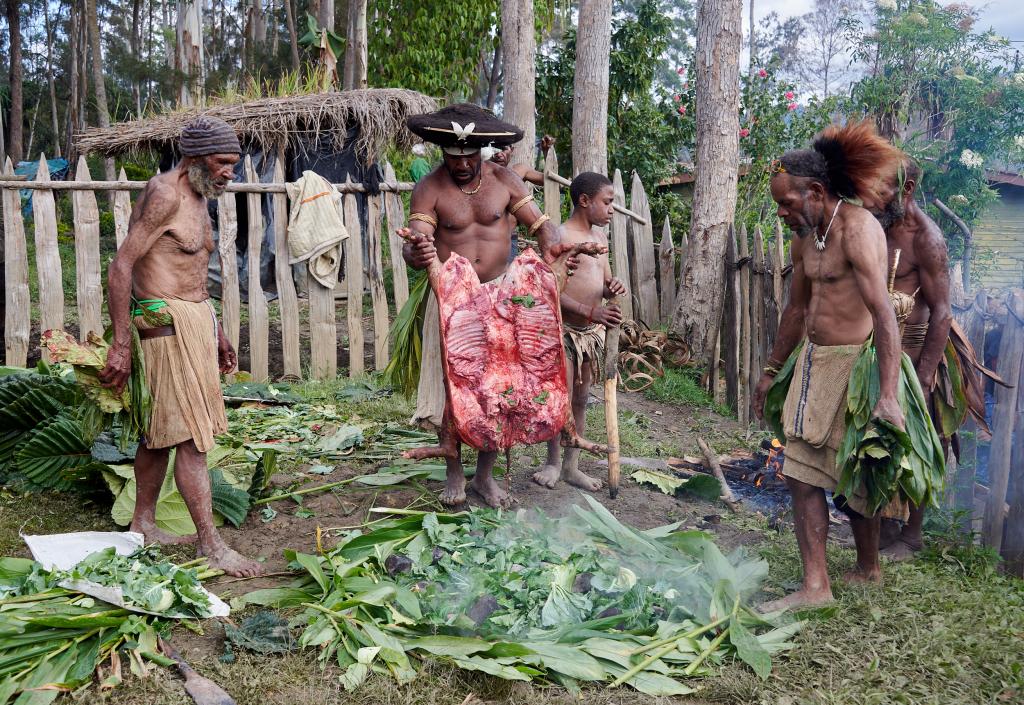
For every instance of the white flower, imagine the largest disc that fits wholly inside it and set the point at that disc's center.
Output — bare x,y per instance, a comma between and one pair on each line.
971,160
1018,142
959,198
1018,78
887,4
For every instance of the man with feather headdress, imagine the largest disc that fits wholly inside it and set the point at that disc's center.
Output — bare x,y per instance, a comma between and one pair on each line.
840,397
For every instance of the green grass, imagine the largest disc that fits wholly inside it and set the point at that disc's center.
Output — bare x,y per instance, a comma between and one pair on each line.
682,387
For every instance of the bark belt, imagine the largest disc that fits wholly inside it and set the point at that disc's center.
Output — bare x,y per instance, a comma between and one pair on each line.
157,332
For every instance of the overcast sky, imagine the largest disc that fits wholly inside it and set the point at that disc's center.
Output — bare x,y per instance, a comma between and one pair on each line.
1006,17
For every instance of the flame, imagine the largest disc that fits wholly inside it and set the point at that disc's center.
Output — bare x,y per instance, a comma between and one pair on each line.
759,481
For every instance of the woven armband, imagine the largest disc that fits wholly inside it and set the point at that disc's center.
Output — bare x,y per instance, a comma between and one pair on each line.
423,217
537,223
520,203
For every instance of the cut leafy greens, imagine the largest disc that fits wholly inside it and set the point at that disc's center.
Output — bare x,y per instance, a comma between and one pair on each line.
525,597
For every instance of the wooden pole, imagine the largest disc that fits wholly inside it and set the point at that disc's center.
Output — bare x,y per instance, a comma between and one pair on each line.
230,299
757,312
378,294
395,212
973,323
259,333
611,407
711,462
48,266
731,325
620,247
1013,539
642,267
17,309
87,256
552,194
354,276
743,404
287,300
122,212
667,272
1011,354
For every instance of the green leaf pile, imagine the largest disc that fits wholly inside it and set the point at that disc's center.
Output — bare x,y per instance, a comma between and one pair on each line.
524,597
53,639
887,461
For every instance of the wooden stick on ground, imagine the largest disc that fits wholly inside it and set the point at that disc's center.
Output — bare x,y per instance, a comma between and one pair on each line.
711,461
611,406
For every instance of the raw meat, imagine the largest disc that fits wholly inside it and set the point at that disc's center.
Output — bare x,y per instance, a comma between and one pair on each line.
502,353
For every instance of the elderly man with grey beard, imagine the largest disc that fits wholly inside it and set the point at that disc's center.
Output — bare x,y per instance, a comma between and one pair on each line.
157,286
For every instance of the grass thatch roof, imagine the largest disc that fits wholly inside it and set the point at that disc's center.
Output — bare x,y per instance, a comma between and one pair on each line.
380,114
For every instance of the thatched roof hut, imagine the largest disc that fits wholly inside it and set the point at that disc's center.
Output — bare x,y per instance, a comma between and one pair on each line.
378,114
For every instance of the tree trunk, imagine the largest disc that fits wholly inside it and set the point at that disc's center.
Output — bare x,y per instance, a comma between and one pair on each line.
15,141
293,40
699,307
276,40
135,42
355,46
72,114
495,77
518,50
325,14
49,77
102,112
753,39
590,89
189,55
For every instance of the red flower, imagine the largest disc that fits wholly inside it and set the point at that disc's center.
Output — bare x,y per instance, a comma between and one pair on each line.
789,95
682,110
744,132
686,84
792,106
681,70
677,98
762,73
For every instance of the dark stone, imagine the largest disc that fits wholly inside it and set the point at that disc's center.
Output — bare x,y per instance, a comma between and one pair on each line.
582,582
437,554
482,609
395,564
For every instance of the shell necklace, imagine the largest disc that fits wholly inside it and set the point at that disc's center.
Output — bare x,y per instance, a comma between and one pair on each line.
481,183
819,240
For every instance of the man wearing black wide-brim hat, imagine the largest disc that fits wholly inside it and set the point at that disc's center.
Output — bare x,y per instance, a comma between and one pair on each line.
467,206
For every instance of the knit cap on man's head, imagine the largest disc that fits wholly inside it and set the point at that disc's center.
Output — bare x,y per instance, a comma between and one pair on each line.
205,135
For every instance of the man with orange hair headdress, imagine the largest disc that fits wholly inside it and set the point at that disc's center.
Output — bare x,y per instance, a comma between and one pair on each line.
840,397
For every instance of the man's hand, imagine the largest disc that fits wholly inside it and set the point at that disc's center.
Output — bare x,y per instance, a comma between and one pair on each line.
614,288
225,354
888,408
419,250
760,392
119,367
609,316
546,143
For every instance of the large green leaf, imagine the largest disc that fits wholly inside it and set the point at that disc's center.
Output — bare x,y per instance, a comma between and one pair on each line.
171,511
749,649
229,501
47,454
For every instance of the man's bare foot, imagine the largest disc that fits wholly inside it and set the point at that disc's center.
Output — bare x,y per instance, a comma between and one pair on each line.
798,599
231,561
155,535
548,476
578,478
900,551
454,491
484,485
859,576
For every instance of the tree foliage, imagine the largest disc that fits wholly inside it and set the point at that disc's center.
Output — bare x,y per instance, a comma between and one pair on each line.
946,93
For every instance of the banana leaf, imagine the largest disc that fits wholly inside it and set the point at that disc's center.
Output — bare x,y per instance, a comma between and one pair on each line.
403,371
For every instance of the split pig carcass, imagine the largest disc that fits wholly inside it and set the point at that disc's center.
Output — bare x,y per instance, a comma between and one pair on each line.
502,354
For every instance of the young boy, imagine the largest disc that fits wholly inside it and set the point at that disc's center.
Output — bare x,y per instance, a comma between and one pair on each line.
584,318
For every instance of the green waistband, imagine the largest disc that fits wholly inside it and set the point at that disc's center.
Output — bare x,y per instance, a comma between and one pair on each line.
152,305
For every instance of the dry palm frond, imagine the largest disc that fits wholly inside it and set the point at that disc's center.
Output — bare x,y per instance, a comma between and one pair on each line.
643,354
268,123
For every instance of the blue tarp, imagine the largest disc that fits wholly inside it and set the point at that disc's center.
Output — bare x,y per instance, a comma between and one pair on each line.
58,170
